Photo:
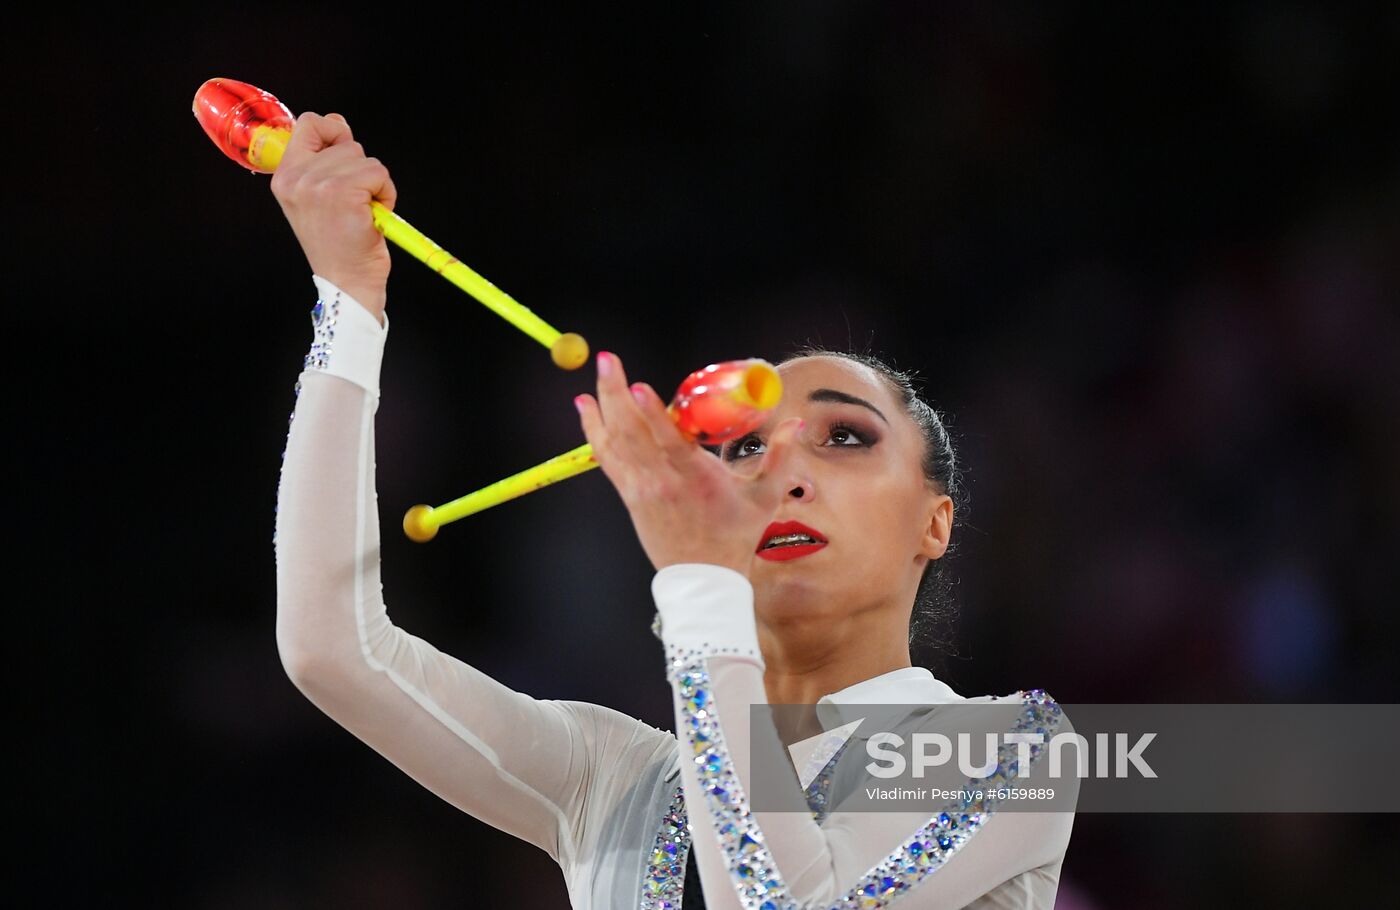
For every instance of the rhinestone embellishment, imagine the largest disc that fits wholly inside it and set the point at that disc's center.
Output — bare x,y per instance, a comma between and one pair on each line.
756,879
323,319
664,883
818,792
665,875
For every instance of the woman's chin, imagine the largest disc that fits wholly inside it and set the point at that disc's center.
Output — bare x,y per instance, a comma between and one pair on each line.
782,596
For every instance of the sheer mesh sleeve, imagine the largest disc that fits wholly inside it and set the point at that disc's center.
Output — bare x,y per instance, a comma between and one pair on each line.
538,769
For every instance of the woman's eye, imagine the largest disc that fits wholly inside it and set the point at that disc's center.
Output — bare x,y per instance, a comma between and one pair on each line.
847,437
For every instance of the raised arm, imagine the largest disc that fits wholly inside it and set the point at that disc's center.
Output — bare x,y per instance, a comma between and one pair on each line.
538,769
785,858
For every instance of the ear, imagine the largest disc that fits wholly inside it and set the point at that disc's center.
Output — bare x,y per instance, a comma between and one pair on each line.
939,530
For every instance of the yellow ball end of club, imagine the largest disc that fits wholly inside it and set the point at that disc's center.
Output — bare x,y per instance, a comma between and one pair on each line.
418,526
569,351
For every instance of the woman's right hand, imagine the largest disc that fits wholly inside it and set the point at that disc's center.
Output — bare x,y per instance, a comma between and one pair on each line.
324,184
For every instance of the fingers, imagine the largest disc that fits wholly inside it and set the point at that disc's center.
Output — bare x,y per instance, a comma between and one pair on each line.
664,431
627,429
341,151
348,163
383,187
617,466
340,172
634,440
592,421
312,133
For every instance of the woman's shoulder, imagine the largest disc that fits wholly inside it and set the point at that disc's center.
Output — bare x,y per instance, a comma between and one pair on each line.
1026,710
1043,726
1034,698
614,740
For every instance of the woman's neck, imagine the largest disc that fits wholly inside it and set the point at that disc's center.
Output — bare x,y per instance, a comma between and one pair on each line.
804,661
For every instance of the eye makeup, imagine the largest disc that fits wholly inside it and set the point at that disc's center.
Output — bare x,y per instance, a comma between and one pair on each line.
863,438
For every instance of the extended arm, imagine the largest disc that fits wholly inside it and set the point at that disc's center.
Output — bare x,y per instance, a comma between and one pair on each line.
524,765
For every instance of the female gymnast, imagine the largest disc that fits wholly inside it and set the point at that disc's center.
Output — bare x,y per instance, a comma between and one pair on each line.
788,569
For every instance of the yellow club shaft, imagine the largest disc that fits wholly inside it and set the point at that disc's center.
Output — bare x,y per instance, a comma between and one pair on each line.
454,270
254,129
421,522
568,350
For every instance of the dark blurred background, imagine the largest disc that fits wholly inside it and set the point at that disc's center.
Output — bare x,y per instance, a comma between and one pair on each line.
1145,260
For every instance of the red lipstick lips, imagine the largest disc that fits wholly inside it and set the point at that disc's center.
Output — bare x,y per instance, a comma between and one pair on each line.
794,539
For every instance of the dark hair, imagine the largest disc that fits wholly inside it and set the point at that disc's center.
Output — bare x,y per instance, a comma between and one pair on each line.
934,612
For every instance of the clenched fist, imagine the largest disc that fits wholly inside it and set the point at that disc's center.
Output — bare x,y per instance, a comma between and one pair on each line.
325,184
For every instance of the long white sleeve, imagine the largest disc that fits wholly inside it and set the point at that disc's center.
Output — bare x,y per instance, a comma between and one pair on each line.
784,860
546,771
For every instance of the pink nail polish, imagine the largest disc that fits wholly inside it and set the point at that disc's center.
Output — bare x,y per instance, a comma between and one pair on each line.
605,363
639,393
578,403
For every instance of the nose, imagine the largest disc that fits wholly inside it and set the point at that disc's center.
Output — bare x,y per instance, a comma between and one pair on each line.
794,469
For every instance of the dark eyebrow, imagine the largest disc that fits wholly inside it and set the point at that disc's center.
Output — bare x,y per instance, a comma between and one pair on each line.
843,398
821,395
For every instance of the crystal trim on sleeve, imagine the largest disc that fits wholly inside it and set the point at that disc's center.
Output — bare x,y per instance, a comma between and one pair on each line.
665,876
663,885
818,792
755,878
323,318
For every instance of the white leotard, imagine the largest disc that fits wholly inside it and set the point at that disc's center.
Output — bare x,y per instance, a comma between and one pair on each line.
602,794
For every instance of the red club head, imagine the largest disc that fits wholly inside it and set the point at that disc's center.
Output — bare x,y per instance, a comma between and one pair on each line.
246,123
726,400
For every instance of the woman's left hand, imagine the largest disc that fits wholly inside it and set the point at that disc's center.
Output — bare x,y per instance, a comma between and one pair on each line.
685,504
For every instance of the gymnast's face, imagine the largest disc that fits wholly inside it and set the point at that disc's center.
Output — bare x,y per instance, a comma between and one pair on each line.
856,480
